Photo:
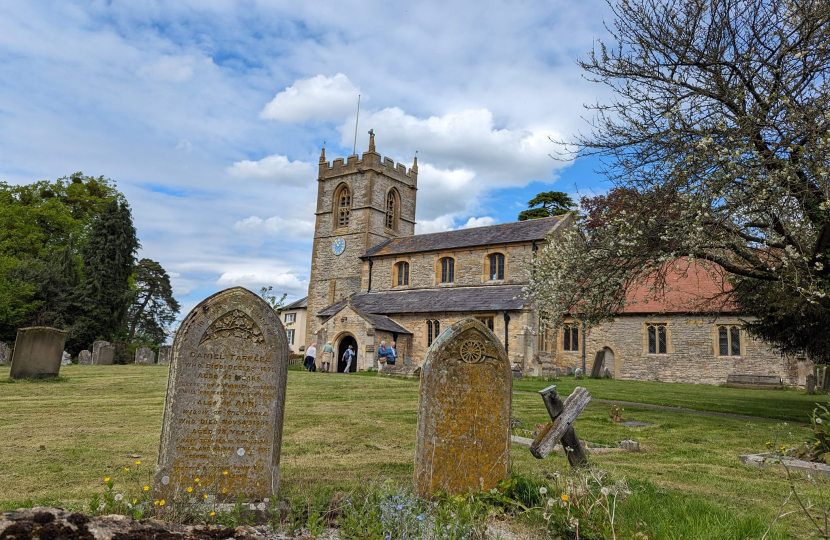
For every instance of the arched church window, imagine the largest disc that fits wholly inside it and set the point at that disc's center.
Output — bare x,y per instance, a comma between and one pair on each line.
402,271
343,206
447,270
433,329
496,266
392,210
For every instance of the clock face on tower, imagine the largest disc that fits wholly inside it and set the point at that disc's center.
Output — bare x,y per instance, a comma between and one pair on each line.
338,246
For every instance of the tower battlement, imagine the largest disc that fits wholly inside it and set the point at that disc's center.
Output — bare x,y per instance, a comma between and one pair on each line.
370,160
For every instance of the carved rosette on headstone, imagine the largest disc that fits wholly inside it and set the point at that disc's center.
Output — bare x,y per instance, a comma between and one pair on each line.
84,358
225,400
164,355
463,440
5,354
103,353
37,352
145,355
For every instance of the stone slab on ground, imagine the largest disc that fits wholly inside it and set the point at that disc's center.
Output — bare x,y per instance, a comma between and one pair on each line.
401,372
594,447
634,423
37,352
795,465
757,382
233,349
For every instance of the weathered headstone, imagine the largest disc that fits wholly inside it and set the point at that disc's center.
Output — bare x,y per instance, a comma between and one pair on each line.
562,415
463,438
164,355
84,358
811,384
225,399
145,355
103,353
5,354
37,352
66,359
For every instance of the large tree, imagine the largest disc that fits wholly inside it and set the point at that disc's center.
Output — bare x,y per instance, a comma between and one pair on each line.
153,308
547,204
717,144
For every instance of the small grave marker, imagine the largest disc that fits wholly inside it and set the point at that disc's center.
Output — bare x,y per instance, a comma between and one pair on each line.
37,352
5,354
103,353
144,355
164,355
463,438
562,415
84,358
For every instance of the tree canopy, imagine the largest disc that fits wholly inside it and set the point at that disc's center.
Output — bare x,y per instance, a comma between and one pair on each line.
547,204
716,144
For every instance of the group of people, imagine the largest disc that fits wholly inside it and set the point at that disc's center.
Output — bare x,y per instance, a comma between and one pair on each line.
387,356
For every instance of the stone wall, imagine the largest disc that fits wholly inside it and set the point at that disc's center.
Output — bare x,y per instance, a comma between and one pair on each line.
472,267
691,356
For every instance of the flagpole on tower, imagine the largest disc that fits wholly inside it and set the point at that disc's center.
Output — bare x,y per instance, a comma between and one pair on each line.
354,148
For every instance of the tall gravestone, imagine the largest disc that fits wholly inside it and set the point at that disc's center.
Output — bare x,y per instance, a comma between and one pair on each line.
37,352
225,400
103,353
5,354
84,358
164,355
463,439
145,355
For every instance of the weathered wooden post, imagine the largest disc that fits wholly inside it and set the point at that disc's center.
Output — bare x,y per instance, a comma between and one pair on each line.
562,416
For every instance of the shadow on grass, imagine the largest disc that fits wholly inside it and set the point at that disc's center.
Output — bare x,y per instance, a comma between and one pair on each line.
29,380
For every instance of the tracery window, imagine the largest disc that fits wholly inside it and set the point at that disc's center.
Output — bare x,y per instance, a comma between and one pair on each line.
729,340
487,321
447,270
657,339
433,329
570,337
402,271
343,202
496,266
392,211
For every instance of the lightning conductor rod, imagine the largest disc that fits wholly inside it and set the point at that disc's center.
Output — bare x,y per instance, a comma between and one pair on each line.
354,148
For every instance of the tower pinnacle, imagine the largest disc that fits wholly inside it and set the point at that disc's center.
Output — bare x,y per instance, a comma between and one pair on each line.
372,140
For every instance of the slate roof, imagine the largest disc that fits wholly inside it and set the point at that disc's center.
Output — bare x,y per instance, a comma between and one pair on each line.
483,298
506,233
381,322
299,304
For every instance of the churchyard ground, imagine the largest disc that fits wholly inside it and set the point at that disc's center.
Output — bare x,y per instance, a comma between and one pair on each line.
59,440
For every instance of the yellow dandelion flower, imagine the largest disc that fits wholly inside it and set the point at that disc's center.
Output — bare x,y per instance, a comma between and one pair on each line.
146,488
155,503
205,495
107,479
197,480
138,463
135,501
224,490
783,448
564,497
200,484
213,513
127,469
189,489
225,472
161,502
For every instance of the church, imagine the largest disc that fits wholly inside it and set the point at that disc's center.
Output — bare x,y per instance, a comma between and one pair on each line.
373,279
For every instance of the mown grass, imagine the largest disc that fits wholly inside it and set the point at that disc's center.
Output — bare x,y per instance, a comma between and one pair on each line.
59,441
787,404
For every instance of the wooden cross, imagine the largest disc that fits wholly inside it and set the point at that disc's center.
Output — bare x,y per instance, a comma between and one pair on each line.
562,415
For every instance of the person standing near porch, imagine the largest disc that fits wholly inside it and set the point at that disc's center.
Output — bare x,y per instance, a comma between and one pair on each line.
311,358
348,355
381,355
391,354
328,353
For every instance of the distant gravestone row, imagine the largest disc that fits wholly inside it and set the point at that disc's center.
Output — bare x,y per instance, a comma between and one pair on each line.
37,352
225,399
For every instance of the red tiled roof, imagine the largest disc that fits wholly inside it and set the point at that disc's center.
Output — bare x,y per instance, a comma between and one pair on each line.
691,287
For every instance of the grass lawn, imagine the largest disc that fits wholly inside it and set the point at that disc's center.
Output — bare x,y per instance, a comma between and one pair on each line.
788,404
59,440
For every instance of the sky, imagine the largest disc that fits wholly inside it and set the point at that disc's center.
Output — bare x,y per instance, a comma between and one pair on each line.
210,115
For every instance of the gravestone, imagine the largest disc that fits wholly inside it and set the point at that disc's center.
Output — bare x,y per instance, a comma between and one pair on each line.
84,358
145,355
164,355
103,353
225,400
463,437
66,359
37,352
5,354
811,384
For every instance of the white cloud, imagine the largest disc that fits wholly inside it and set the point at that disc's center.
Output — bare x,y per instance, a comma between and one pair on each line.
290,229
478,222
447,223
275,168
169,69
262,276
315,98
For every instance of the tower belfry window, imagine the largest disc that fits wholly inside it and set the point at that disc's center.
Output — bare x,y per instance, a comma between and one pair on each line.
391,211
343,200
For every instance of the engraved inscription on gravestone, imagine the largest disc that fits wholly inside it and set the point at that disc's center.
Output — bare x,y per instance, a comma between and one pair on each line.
225,400
463,438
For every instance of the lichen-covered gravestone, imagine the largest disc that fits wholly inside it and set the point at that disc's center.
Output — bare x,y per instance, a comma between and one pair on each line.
66,359
103,353
144,355
225,400
37,352
84,358
164,355
5,354
463,440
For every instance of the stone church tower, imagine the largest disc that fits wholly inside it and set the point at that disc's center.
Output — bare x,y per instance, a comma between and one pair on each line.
360,204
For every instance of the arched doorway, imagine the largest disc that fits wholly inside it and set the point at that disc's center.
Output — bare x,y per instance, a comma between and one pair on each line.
344,343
